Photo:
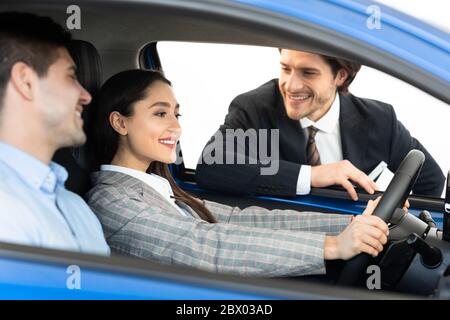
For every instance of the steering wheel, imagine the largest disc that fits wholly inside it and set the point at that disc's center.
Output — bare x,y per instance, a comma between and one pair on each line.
394,197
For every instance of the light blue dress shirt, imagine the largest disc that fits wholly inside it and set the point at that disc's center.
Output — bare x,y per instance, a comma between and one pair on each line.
36,209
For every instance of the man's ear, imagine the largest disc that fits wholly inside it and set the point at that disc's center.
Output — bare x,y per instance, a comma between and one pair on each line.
341,76
117,121
24,79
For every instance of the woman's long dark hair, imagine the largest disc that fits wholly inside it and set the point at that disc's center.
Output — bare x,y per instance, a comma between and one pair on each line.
120,93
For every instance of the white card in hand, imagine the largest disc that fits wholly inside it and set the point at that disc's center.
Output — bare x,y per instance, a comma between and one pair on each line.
378,170
384,179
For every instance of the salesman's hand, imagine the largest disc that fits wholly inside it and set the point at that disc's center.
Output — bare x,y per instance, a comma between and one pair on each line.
366,233
340,173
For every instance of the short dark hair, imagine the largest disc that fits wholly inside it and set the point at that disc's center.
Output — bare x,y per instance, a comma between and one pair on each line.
31,39
351,67
336,64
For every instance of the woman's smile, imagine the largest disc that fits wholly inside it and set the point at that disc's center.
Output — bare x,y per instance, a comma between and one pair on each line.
168,142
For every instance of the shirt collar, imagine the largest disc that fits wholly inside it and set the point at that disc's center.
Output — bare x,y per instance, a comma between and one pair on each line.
329,120
31,170
156,182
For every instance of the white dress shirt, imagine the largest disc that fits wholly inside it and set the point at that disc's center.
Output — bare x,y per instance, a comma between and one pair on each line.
328,143
160,184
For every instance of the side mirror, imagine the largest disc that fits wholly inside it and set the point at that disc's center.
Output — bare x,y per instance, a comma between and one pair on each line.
446,224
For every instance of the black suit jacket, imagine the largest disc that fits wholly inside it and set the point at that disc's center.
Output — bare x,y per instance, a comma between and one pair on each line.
370,133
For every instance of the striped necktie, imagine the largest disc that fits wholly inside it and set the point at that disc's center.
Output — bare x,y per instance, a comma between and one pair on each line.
311,148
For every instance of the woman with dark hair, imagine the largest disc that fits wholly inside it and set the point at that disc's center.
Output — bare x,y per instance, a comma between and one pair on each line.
145,214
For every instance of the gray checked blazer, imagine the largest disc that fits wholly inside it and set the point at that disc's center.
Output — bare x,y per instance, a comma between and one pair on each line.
138,221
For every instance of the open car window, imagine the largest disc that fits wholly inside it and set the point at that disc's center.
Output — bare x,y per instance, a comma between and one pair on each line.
206,77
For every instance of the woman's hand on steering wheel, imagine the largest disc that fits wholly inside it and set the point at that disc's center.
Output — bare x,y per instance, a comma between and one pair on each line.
365,233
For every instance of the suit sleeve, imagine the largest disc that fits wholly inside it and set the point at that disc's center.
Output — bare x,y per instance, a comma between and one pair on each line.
242,167
148,233
331,224
431,179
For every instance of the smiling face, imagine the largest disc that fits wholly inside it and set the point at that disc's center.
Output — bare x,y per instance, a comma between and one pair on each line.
307,84
152,131
60,102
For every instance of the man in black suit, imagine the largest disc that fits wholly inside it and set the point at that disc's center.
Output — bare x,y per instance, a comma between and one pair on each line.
326,135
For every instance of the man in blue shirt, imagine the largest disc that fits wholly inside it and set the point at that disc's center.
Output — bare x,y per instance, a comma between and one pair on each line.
41,102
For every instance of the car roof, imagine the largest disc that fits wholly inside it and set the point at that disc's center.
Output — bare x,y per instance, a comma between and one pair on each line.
404,46
400,34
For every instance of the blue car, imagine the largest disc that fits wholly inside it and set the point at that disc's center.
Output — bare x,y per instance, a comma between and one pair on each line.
415,262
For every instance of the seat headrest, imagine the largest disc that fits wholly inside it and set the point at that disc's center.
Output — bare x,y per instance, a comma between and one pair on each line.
89,66
90,75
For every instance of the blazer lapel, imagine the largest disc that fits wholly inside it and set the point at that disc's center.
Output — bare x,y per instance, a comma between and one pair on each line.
151,196
354,133
188,209
146,193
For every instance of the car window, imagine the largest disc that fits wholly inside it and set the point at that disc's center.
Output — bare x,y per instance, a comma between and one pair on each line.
206,77
423,115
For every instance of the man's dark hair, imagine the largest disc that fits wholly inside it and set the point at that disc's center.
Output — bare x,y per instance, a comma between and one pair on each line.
336,64
351,67
31,39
